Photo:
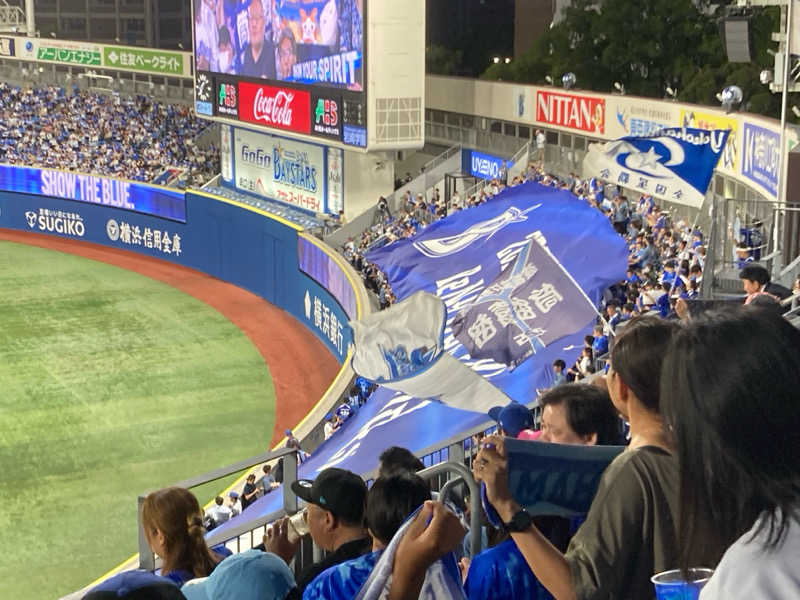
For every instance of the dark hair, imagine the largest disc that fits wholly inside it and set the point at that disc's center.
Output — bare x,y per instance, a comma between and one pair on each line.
390,501
755,273
767,302
223,35
218,500
396,460
176,513
266,468
286,34
589,410
695,269
560,363
737,425
637,354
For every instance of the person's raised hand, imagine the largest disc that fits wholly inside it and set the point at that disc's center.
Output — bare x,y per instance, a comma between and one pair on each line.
491,467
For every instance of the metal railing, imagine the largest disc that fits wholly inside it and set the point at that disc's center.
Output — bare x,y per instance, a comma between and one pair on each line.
12,18
289,456
437,160
444,477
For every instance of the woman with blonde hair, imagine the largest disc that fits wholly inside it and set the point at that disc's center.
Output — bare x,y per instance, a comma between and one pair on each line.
173,524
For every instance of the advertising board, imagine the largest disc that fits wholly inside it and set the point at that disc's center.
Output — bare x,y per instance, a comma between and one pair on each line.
94,189
573,111
280,169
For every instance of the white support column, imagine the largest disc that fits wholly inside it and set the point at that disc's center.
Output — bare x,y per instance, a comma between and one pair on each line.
30,21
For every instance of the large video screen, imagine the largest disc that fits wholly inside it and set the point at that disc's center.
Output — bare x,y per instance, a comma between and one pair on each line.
311,41
297,66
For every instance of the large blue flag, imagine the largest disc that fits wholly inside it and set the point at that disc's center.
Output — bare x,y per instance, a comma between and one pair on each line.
532,303
674,164
459,257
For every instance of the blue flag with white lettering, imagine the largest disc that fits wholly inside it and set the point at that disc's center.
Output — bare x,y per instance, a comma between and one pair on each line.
675,163
531,304
457,258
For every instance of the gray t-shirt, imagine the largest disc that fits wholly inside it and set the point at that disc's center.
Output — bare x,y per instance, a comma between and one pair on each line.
630,533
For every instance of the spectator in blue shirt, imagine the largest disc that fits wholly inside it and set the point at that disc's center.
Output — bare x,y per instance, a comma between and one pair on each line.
669,274
390,501
559,368
577,414
600,342
743,256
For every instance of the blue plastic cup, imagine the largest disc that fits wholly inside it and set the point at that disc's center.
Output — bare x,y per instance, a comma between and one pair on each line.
672,585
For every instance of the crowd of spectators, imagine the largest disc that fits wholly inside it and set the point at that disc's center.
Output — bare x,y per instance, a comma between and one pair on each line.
709,450
134,138
706,446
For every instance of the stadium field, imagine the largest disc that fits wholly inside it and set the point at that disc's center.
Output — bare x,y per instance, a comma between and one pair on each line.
111,384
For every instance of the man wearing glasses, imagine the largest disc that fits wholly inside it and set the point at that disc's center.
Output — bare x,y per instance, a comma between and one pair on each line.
259,54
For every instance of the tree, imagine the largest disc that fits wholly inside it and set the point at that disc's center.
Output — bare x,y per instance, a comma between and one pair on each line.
647,45
443,61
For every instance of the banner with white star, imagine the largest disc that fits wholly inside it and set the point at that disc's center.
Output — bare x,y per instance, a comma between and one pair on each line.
674,164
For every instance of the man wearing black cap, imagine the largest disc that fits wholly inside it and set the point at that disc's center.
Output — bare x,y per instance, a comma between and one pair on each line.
336,500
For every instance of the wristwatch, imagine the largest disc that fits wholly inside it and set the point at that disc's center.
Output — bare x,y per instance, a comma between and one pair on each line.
519,522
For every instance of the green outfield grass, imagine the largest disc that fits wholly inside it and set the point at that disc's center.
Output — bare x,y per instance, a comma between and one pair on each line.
110,384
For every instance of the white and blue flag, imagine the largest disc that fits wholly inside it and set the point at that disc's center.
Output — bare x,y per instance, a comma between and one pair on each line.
403,348
674,164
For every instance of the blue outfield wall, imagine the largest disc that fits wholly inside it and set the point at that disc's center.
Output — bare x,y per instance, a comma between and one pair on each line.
229,241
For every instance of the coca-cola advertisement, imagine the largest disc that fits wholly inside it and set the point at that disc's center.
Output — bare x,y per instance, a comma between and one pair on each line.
276,107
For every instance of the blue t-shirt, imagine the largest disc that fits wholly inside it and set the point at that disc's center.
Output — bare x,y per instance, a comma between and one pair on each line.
342,581
501,573
600,345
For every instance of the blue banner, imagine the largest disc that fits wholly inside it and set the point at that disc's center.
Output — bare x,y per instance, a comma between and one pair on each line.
93,189
6,46
387,419
457,258
318,264
486,166
673,164
761,157
531,304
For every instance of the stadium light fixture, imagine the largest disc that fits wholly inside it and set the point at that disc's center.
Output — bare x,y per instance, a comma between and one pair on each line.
180,45
52,34
568,80
495,59
672,93
548,79
620,87
765,77
507,59
796,111
730,97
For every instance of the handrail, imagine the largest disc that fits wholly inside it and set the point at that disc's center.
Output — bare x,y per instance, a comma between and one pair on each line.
436,161
146,556
463,476
474,497
519,153
790,267
476,189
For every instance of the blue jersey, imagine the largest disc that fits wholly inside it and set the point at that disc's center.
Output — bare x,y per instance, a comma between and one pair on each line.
342,581
600,345
501,573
